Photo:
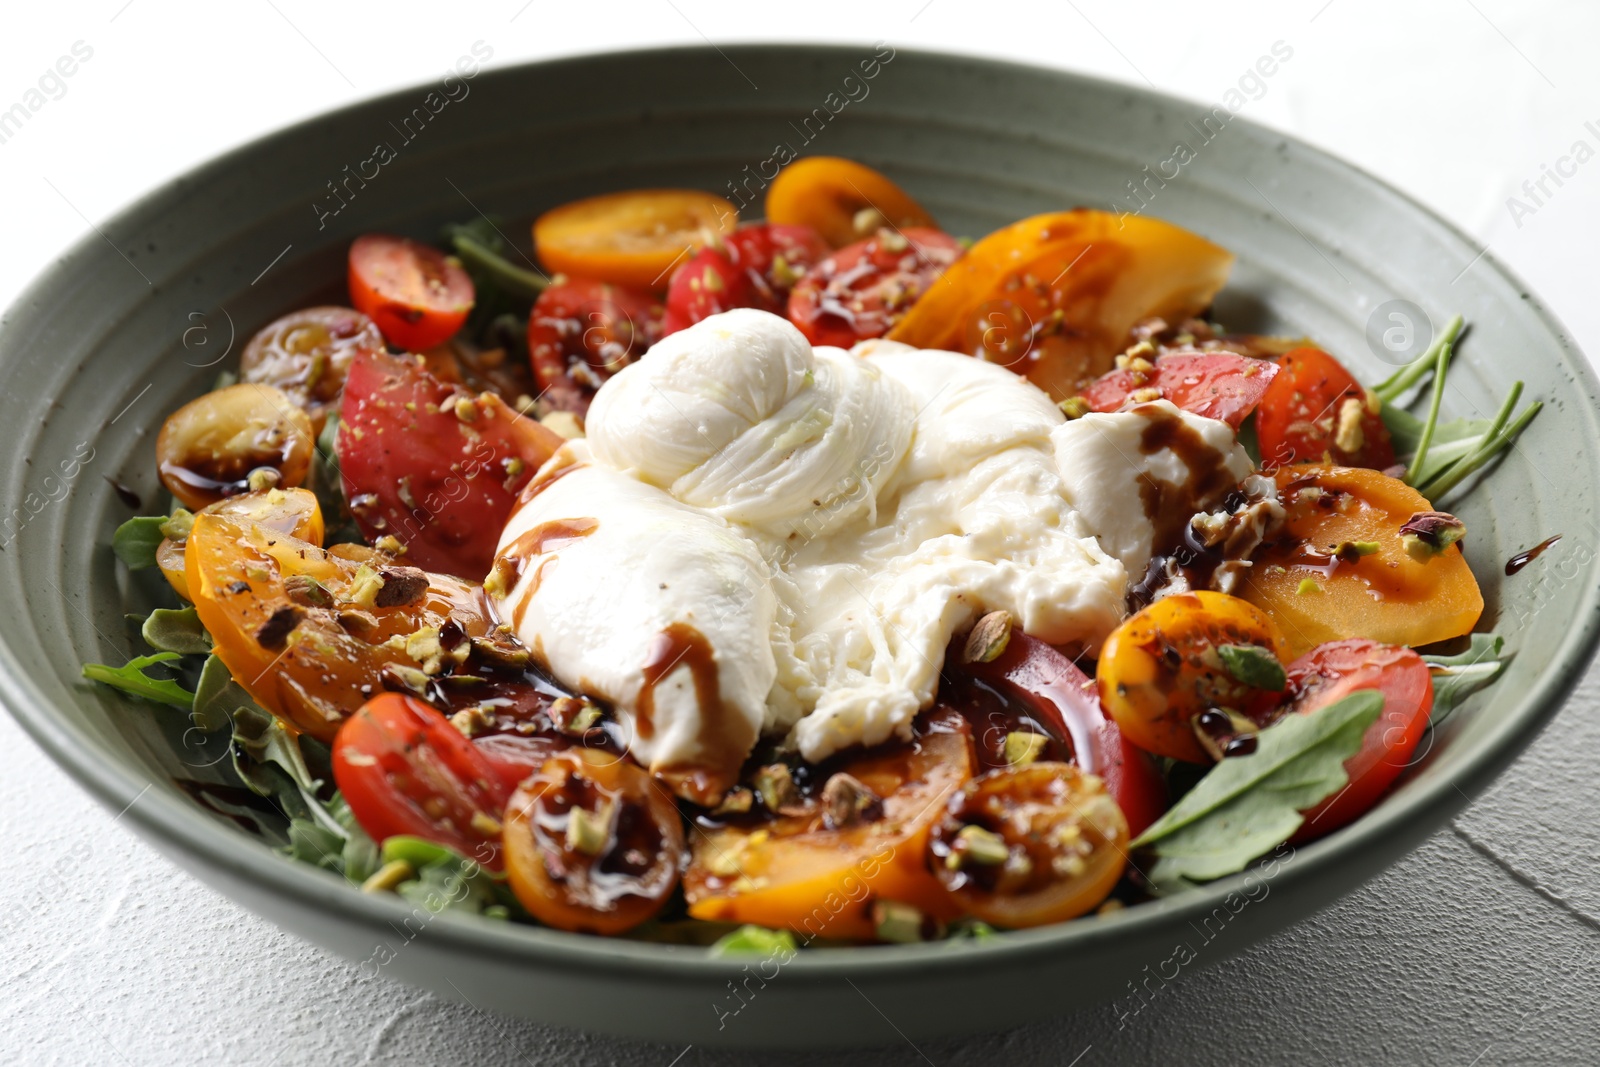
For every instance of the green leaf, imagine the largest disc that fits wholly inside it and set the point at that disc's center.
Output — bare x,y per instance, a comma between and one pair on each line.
132,679
1457,677
754,940
217,696
268,759
176,630
360,856
136,541
1247,805
445,879
1254,666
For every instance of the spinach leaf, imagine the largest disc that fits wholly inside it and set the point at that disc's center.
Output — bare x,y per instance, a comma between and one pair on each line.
136,541
176,630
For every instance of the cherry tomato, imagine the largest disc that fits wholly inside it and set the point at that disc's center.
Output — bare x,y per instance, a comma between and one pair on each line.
404,769
756,267
432,465
1331,672
1217,385
1161,668
1026,846
592,844
307,354
634,238
1065,704
1315,409
581,332
291,511
308,631
830,194
1054,296
208,449
808,871
1340,568
418,296
864,289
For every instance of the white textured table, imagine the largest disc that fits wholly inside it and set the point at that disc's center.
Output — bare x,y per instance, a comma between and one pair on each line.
1481,947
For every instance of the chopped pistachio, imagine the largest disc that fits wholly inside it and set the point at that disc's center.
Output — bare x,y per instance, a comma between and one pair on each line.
465,408
357,622
1307,585
503,652
1349,437
178,525
588,831
868,221
263,478
275,631
1142,350
306,590
473,721
898,923
784,273
1428,533
391,544
775,783
401,586
1074,407
487,825
574,715
386,878
502,578
364,587
846,801
564,423
892,241
988,638
400,678
1022,748
736,801
424,647
974,844
1148,395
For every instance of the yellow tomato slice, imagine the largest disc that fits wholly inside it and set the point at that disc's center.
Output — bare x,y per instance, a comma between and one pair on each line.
828,193
632,238
1054,296
1372,588
291,511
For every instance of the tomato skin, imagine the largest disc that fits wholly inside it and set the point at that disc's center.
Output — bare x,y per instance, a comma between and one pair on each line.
864,289
404,769
634,870
1386,595
413,468
632,238
1159,669
826,192
756,267
583,331
207,449
1333,671
1299,415
307,354
1065,700
1217,385
706,285
418,296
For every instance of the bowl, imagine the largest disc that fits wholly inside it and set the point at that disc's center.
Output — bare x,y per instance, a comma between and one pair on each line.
140,316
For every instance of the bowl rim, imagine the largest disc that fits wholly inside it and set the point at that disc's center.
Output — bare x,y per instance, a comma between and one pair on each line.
183,827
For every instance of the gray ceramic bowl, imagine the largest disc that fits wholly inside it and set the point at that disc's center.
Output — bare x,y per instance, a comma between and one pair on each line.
128,325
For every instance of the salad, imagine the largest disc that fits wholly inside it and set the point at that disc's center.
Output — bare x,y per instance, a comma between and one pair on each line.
815,580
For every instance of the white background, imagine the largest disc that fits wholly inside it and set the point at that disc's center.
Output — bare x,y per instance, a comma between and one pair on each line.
1480,945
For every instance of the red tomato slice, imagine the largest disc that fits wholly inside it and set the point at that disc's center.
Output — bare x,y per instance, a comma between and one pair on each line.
1333,671
418,296
707,285
1066,703
581,332
756,267
404,769
864,289
1301,411
1217,385
432,464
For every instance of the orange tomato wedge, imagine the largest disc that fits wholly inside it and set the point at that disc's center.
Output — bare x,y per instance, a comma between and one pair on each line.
311,655
827,193
632,238
1315,593
1054,296
793,871
291,511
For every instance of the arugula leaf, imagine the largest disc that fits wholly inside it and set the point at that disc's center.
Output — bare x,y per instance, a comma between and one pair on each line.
1254,666
176,630
445,879
217,696
754,940
1457,677
136,541
132,679
268,759
1246,805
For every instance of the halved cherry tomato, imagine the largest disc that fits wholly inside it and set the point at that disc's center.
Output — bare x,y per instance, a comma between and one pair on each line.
1315,409
404,769
828,194
307,354
581,332
1217,385
862,290
307,632
806,872
756,267
208,448
1063,700
1341,570
1054,296
1161,669
592,844
633,238
418,296
1026,846
432,465
291,511
1331,672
